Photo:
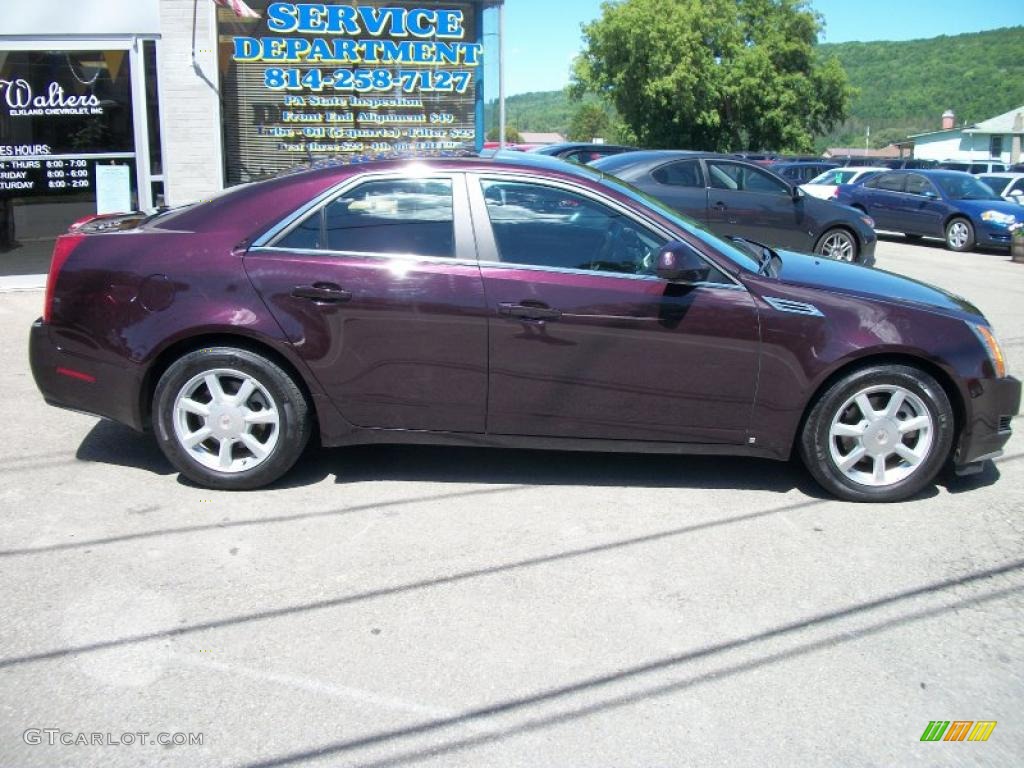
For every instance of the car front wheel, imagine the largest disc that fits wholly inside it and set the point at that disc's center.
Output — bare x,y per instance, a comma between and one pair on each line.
959,235
838,244
230,419
878,434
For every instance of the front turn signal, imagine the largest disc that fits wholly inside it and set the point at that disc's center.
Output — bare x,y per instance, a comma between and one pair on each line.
991,344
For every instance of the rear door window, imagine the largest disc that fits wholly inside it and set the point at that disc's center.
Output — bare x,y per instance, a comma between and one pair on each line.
392,216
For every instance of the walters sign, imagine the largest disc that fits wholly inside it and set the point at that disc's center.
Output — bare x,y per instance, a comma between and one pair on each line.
59,112
312,80
22,101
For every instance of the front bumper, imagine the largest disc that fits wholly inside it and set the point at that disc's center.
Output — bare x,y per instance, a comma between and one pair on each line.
994,402
986,234
80,383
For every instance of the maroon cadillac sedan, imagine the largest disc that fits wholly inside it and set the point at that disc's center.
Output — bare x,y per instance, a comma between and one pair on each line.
508,302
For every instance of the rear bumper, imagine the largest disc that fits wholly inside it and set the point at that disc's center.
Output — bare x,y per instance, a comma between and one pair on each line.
79,383
994,403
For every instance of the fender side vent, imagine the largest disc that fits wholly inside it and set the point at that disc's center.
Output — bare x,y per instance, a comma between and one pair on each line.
793,307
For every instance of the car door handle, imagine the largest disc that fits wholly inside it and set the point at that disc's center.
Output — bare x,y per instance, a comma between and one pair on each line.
322,293
529,310
720,206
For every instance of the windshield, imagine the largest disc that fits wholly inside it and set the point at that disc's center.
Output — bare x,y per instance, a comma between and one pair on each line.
834,177
963,188
741,257
996,183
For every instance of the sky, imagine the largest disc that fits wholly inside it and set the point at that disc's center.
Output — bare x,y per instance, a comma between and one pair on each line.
543,36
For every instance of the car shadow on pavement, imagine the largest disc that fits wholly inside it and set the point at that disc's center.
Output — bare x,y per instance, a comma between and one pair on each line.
940,245
112,443
443,464
989,475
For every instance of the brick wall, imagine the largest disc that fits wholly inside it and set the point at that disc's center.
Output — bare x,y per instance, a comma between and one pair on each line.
189,104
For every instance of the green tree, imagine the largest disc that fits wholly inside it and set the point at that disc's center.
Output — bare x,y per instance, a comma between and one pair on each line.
588,122
714,74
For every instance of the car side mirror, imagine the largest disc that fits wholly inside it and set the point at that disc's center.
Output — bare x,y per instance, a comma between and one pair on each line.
679,263
796,193
1018,193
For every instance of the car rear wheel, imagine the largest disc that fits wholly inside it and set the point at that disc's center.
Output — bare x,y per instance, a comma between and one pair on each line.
838,244
959,235
230,419
878,434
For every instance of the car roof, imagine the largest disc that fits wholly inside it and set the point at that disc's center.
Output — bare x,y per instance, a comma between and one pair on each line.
859,168
1008,175
929,172
568,145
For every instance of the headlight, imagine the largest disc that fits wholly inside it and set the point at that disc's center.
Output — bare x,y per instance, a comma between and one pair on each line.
997,217
991,345
868,220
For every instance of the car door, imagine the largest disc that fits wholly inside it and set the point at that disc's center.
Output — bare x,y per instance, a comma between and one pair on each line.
378,288
680,184
920,209
881,198
586,342
747,201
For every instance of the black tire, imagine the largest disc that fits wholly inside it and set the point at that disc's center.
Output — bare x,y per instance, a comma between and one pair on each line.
277,392
824,246
816,441
953,235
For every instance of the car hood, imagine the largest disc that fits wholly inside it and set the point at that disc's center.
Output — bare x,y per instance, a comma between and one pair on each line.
978,207
868,282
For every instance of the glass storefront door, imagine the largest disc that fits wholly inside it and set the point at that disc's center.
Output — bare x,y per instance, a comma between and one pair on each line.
64,114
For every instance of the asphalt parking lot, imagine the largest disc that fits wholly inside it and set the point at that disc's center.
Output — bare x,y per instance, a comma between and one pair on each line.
449,607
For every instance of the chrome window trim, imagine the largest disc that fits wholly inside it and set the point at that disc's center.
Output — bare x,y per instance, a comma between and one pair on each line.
476,189
602,273
403,257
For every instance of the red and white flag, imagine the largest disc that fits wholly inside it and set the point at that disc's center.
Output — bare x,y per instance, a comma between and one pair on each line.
240,8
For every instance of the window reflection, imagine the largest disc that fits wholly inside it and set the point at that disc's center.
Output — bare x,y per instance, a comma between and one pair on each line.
550,227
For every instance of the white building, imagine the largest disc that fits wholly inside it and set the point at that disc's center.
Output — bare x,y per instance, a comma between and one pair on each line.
998,138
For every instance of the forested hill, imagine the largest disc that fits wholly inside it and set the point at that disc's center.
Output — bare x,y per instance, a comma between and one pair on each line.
903,87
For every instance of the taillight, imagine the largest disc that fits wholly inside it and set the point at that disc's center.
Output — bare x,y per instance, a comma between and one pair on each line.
61,251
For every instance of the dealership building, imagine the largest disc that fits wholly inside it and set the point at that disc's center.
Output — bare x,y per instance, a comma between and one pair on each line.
113,105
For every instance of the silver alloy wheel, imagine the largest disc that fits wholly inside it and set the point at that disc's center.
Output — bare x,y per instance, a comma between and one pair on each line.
881,435
839,246
226,420
959,234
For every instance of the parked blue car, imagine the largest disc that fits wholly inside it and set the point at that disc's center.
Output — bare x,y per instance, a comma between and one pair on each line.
952,205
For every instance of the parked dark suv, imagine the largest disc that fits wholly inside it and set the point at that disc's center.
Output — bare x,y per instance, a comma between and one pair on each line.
733,197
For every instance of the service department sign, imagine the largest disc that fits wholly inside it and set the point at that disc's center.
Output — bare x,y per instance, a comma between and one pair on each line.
312,80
